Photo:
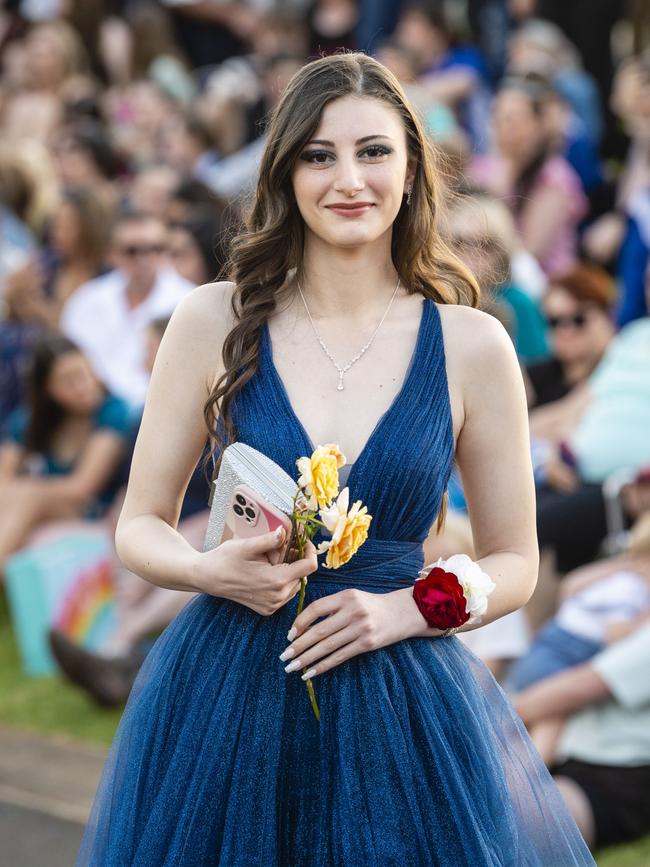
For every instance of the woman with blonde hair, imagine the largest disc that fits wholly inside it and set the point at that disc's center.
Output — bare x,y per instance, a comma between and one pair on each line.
417,757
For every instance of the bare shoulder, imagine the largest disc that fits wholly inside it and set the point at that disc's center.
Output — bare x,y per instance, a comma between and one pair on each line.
478,350
206,308
198,327
472,336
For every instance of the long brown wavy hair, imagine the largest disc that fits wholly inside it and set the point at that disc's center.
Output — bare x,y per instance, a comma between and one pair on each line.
271,242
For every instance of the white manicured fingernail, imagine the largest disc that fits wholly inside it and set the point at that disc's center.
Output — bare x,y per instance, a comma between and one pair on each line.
293,665
308,674
291,634
288,653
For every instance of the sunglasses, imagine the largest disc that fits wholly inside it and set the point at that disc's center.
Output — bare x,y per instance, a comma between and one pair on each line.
133,250
577,320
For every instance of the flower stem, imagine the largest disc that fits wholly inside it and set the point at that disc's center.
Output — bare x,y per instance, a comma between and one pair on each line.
301,599
310,688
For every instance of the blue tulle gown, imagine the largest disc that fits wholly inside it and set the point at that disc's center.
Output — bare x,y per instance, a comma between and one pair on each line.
419,758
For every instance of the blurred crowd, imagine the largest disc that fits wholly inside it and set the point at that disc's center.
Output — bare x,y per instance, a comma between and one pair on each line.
130,136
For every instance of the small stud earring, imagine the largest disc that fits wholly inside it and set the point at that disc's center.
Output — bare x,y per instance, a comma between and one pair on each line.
408,196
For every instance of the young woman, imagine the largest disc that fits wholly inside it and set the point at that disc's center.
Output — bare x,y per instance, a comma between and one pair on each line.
63,449
418,757
532,180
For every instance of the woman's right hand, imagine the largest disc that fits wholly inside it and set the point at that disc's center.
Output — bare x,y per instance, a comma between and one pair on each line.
240,570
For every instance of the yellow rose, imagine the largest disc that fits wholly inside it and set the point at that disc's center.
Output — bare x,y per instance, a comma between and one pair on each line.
349,530
319,475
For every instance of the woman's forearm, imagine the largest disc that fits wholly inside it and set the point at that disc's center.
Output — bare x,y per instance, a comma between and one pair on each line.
150,548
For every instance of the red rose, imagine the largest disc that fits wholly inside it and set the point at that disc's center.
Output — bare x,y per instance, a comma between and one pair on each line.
440,598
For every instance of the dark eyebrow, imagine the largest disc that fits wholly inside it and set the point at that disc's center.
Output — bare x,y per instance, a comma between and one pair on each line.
359,141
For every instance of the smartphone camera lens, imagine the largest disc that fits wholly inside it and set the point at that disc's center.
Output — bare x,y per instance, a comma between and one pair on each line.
238,510
250,513
241,500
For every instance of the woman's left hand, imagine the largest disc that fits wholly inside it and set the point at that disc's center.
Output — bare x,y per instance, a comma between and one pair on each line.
355,622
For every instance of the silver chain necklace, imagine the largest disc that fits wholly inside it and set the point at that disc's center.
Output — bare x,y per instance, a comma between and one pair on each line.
343,370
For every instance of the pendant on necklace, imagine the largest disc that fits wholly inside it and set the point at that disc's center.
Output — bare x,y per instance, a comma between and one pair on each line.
340,386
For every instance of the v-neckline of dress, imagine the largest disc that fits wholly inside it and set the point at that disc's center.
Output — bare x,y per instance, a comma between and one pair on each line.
397,400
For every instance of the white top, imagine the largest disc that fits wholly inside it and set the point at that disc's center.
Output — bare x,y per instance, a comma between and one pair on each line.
98,319
620,596
615,732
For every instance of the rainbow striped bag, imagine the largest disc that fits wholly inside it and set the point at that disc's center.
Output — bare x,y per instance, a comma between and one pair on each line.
67,581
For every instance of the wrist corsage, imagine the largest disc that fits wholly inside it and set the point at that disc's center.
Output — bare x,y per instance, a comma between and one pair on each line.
452,592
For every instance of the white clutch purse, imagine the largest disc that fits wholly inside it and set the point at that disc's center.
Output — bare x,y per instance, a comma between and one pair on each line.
242,464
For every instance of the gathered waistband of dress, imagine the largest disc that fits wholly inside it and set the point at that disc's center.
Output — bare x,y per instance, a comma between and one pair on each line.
379,563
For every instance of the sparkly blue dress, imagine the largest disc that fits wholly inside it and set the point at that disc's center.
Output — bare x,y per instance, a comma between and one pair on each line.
419,758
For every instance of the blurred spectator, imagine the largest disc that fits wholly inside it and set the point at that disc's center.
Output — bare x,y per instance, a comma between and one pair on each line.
453,74
601,429
478,232
439,120
143,608
154,53
84,157
332,25
152,189
63,448
601,603
539,47
630,101
190,195
234,176
108,316
189,147
588,24
197,247
568,136
577,307
602,760
534,182
77,252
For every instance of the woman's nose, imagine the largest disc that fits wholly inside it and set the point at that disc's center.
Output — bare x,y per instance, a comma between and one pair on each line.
349,177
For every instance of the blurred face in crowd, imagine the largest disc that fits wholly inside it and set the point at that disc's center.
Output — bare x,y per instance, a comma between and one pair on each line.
46,61
477,247
180,149
518,130
74,164
630,97
578,331
186,257
336,167
73,385
152,189
416,33
65,231
140,250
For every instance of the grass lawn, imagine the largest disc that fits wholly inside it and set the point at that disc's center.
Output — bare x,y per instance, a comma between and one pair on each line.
46,705
51,706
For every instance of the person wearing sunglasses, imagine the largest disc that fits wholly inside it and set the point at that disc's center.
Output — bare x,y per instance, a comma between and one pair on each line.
109,316
580,328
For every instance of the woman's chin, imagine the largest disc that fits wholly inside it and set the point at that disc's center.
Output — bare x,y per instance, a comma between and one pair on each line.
351,236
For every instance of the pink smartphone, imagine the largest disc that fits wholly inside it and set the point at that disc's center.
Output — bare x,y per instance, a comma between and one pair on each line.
249,514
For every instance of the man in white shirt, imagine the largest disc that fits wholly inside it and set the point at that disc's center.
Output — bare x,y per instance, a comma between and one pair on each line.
108,317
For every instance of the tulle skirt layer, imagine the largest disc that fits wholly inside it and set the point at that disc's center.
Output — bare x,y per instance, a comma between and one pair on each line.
418,759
